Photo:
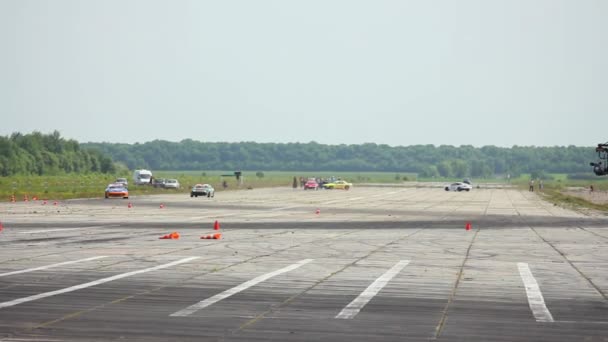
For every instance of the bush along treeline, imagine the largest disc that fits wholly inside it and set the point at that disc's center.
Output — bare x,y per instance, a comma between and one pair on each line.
49,154
425,160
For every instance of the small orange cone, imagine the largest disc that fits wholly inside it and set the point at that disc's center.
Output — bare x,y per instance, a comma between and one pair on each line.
467,226
25,199
216,225
172,236
34,198
161,206
217,236
55,203
318,211
1,227
129,205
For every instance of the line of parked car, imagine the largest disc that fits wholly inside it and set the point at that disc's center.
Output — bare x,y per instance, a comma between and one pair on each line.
119,188
312,184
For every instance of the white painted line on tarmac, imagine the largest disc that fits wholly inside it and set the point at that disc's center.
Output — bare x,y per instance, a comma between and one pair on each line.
63,229
535,297
212,300
285,208
582,322
92,283
48,230
352,309
51,266
15,339
332,202
355,198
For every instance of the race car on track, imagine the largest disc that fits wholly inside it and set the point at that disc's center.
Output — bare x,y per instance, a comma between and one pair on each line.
339,184
202,190
458,186
117,190
311,184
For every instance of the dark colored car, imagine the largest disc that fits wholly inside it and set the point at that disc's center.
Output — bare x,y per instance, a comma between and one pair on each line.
158,182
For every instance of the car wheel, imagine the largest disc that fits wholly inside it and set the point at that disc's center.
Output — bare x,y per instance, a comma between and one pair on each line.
346,187
468,190
126,197
459,189
191,195
447,189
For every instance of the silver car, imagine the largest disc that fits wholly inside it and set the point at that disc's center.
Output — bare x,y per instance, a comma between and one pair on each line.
458,186
171,184
202,190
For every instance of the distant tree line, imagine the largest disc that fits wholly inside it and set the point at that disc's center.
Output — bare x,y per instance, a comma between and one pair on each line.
49,154
426,160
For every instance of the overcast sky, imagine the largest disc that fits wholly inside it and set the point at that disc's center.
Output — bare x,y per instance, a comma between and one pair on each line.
456,72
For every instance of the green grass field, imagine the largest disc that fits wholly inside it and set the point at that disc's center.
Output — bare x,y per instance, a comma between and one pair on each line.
93,185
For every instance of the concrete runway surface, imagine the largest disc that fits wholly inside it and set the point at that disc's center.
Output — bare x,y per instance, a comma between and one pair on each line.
375,264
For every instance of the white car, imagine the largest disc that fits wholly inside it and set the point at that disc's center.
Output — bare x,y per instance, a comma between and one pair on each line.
202,190
459,186
171,184
122,181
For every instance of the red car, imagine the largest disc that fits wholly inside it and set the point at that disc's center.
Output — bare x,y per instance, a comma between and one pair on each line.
117,190
311,184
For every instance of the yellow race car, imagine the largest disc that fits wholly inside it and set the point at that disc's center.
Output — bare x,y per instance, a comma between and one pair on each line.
340,184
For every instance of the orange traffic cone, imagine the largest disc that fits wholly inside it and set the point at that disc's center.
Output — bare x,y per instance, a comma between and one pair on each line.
55,203
129,205
172,236
217,236
44,202
467,226
318,211
25,199
161,206
1,227
216,225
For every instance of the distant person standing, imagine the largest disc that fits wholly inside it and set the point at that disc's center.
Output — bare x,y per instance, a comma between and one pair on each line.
295,182
541,186
531,185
